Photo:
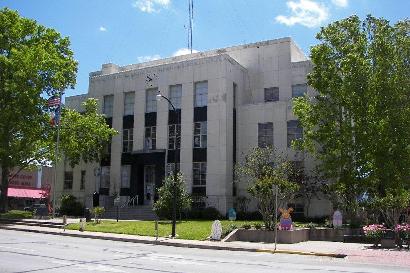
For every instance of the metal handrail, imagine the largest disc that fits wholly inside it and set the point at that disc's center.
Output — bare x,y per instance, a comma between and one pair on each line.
130,201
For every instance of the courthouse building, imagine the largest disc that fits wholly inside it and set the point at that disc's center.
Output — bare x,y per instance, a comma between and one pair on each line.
229,100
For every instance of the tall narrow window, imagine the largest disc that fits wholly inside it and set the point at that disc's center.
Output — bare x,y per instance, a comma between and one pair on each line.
199,178
299,90
265,134
171,167
82,182
127,140
201,94
125,176
175,93
108,105
174,136
295,131
151,100
129,98
200,134
105,177
150,142
68,180
271,94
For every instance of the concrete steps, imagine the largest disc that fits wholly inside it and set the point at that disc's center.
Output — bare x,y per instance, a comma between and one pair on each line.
130,213
25,222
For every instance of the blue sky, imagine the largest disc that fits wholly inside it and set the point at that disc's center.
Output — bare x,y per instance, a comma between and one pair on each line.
131,31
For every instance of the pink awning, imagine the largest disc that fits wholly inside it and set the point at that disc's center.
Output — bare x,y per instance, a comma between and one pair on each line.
25,193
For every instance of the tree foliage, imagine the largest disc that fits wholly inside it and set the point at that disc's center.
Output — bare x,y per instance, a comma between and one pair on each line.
163,206
358,123
83,136
263,169
34,61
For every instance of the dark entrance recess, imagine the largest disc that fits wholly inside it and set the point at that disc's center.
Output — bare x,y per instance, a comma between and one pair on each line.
137,161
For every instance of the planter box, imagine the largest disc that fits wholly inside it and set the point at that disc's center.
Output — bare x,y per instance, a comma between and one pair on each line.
268,236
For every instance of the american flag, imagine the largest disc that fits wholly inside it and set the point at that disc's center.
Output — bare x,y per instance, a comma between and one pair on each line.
53,101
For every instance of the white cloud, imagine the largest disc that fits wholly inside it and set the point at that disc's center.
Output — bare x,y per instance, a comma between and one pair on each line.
143,59
184,51
341,3
102,28
150,6
305,12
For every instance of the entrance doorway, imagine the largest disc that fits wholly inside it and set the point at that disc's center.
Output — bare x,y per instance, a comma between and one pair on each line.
149,184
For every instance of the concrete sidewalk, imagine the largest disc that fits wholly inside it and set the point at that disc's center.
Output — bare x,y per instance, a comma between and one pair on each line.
360,253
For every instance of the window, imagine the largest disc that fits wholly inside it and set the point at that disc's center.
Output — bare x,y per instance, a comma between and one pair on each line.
174,136
68,180
105,177
108,105
151,100
150,142
201,94
175,93
82,184
200,134
199,178
129,98
125,176
265,134
171,167
271,94
127,140
299,90
294,131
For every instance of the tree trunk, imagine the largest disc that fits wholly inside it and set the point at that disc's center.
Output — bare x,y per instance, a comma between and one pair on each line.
4,189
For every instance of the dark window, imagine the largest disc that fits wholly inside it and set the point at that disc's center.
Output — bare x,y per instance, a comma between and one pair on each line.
174,136
299,90
200,134
82,184
68,180
150,142
271,94
199,178
295,131
265,134
127,140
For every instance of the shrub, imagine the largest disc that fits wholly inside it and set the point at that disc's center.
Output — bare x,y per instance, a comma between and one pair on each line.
228,229
258,225
374,231
98,212
208,213
16,214
246,226
70,206
249,216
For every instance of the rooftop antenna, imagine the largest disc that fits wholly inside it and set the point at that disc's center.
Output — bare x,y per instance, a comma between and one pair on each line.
191,20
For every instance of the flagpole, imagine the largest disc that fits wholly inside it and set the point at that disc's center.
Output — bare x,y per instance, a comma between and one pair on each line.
58,118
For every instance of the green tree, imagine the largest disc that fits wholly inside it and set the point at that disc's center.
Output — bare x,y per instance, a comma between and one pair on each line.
263,169
83,136
34,61
163,206
358,123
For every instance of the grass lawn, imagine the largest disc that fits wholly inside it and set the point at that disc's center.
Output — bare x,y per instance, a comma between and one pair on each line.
190,229
16,214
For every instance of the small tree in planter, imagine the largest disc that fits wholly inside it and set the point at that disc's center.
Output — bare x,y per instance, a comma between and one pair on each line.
98,212
403,234
263,169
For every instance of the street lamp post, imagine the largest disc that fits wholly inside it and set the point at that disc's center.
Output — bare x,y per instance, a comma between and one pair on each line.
174,209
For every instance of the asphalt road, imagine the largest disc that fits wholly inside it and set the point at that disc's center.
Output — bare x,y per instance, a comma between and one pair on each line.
33,252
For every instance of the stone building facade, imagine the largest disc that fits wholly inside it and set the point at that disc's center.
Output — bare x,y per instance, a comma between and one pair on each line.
228,101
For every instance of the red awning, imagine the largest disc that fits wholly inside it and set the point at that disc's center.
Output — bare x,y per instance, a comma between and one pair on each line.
25,193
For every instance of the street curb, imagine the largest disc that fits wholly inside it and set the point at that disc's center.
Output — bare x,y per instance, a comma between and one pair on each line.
169,243
320,254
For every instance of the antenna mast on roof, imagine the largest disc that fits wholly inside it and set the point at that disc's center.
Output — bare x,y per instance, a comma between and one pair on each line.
191,20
